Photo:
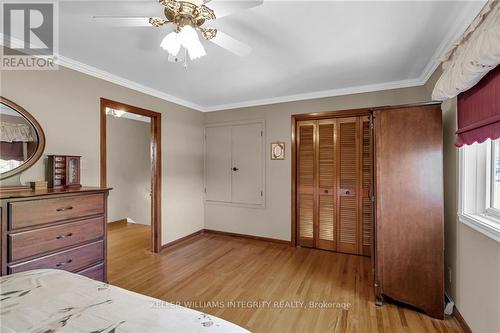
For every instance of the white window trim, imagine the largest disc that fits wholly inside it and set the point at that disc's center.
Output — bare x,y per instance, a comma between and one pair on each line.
474,208
481,224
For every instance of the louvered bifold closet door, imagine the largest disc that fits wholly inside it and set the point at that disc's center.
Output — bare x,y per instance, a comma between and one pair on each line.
306,131
349,214
326,205
367,187
334,184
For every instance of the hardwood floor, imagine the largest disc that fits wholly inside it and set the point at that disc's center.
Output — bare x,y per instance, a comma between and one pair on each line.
211,270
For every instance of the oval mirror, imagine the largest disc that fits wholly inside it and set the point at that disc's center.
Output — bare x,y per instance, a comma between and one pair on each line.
21,139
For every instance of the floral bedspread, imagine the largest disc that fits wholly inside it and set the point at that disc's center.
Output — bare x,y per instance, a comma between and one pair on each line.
48,300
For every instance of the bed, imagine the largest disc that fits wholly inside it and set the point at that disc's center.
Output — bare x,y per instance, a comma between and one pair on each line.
48,300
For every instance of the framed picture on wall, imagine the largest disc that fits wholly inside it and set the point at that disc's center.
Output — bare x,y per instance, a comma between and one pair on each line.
278,151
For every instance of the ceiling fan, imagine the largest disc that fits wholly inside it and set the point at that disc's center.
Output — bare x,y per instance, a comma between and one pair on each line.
187,18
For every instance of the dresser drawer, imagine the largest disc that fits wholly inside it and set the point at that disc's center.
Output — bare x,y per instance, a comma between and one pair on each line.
36,242
71,260
35,212
95,272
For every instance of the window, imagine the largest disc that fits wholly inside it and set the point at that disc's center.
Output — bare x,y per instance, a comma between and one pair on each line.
495,187
479,205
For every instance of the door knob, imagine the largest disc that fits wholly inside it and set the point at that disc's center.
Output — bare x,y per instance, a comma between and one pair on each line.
346,192
235,169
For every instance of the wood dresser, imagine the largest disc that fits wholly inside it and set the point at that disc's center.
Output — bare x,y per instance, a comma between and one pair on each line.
60,229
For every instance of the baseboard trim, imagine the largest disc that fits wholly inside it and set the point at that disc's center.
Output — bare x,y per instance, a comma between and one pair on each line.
223,233
461,321
233,234
118,221
180,240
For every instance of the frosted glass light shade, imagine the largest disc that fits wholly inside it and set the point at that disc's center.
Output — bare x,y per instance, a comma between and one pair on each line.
171,43
189,39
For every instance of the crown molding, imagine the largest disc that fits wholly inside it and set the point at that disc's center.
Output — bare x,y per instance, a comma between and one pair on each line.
461,24
101,74
98,73
319,94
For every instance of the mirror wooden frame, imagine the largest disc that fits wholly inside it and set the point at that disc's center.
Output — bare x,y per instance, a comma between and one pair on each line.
40,135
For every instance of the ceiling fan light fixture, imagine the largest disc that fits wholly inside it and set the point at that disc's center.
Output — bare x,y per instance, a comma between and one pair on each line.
190,40
188,18
171,43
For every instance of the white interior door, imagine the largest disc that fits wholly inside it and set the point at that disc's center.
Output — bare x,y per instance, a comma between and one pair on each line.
247,164
218,163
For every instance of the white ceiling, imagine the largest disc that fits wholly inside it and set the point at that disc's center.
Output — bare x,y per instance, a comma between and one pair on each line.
301,49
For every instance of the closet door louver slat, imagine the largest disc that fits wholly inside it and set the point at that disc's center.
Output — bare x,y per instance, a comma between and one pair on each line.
326,188
306,182
348,176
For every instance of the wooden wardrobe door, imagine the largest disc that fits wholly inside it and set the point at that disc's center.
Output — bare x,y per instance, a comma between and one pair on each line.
409,220
348,175
306,131
367,187
326,207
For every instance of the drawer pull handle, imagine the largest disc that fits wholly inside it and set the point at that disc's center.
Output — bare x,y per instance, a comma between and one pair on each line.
64,236
69,261
64,208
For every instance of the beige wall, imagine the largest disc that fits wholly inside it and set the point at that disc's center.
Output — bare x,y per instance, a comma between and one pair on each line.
274,220
66,103
129,169
477,288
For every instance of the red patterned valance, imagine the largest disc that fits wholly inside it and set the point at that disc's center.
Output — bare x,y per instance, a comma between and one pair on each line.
479,111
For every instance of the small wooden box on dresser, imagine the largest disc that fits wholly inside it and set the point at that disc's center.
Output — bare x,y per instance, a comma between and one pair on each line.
55,228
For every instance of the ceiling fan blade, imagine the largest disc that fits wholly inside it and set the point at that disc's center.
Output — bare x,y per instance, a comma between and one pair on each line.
232,45
123,21
227,7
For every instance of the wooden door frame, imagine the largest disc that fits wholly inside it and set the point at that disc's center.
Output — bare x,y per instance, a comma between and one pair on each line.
311,116
155,162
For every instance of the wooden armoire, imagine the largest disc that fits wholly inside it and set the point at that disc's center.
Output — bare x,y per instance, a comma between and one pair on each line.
370,182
